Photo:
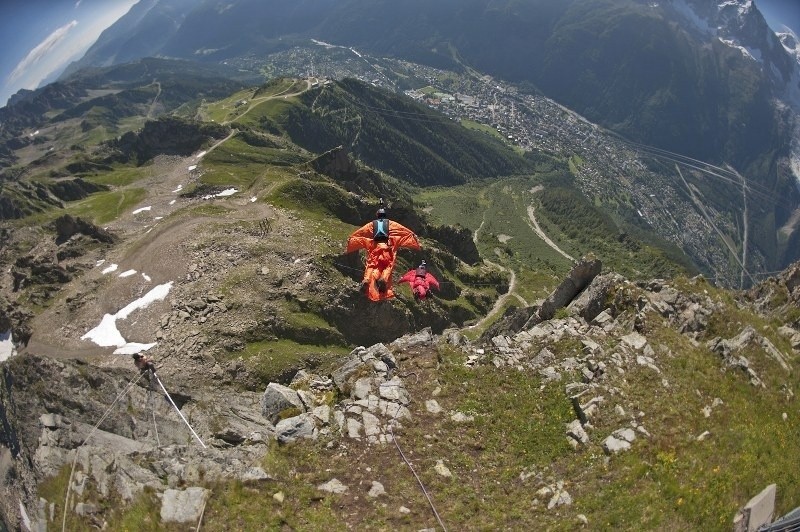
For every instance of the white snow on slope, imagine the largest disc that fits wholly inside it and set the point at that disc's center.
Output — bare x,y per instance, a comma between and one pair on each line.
752,53
226,192
684,9
7,349
106,333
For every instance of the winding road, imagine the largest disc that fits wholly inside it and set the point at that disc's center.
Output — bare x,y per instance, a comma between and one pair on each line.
501,301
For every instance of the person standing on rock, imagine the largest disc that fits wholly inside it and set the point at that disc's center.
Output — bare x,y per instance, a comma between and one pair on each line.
381,238
420,281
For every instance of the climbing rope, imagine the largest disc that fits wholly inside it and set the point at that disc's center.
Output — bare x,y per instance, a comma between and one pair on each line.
91,433
178,410
421,485
155,427
152,404
105,415
202,511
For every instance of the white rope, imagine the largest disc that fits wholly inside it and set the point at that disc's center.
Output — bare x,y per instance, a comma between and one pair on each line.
152,405
202,511
421,485
155,427
75,458
178,410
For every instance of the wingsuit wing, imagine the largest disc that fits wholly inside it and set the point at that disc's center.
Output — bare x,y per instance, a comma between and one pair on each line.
408,277
361,238
401,236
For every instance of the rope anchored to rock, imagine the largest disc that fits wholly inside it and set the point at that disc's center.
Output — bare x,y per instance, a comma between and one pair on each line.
91,433
419,481
178,410
146,366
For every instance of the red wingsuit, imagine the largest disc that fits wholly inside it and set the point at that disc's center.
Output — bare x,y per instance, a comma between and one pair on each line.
420,281
381,256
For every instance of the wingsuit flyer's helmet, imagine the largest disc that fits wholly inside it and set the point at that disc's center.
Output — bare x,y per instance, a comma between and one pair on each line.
381,213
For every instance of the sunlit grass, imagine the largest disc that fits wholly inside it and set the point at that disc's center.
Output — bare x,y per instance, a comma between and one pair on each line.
238,164
121,175
104,207
273,360
477,126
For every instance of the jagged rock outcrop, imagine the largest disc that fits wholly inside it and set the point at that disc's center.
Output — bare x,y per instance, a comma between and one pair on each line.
118,437
49,412
579,278
589,306
67,226
593,299
168,135
21,198
74,189
513,320
778,290
15,318
30,270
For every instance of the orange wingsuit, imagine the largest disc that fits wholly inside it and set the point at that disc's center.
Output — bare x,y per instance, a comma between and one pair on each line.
420,281
381,255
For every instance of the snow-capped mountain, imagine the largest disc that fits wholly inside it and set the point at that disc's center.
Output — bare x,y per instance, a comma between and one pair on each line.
739,24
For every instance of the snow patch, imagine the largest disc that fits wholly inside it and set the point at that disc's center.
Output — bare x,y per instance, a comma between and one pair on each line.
109,269
146,277
132,348
172,202
7,349
180,187
253,199
224,193
137,211
752,53
791,44
127,273
106,333
684,9
192,167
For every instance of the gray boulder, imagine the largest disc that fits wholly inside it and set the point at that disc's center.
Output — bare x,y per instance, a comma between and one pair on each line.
582,273
278,398
183,506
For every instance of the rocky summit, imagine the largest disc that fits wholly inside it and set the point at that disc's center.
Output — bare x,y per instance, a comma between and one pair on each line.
670,396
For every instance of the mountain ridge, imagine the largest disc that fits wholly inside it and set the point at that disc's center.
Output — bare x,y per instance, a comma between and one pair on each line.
545,45
704,80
